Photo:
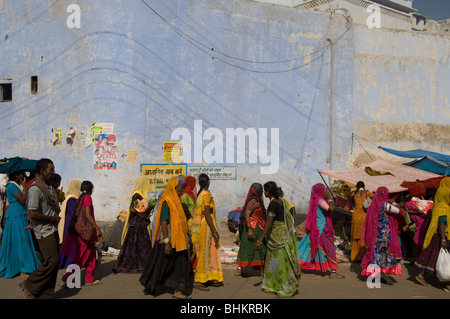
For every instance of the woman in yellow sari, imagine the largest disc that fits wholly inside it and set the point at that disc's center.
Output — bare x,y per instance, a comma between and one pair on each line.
359,216
445,182
136,242
205,239
169,262
437,236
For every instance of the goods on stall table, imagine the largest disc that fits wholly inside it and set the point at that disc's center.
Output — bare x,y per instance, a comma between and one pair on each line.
423,205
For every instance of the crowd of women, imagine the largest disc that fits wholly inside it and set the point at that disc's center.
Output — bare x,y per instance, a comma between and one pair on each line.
176,245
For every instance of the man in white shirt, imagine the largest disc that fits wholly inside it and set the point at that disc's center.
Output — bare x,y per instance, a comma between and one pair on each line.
42,206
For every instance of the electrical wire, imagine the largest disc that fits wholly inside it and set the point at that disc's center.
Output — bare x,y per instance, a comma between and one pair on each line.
205,49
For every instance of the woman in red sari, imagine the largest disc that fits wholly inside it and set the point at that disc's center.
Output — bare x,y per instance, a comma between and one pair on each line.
254,220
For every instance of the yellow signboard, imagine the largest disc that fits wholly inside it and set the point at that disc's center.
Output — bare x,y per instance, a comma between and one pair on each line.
160,174
172,152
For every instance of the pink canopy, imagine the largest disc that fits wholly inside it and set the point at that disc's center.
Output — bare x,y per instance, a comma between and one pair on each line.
400,173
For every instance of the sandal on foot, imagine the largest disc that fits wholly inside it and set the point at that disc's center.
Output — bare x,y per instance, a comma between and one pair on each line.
180,295
387,280
200,287
238,272
95,282
335,275
217,284
421,280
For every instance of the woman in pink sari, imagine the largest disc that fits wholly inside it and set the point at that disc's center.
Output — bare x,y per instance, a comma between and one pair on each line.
316,249
384,254
419,218
83,252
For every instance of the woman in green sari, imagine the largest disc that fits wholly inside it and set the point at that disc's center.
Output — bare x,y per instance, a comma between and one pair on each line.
282,266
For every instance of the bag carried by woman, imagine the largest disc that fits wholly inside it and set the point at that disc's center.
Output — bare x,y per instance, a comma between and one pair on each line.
79,225
443,265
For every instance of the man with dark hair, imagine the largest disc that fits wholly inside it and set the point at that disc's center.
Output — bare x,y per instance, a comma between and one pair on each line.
42,207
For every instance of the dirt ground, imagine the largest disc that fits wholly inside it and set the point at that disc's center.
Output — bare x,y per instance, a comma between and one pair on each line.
313,285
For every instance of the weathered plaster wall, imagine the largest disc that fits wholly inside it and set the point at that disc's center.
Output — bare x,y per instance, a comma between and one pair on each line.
128,67
401,96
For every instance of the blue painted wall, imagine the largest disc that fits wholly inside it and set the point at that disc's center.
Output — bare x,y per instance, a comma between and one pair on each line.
151,74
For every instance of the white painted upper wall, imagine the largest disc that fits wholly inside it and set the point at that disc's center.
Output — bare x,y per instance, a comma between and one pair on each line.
293,3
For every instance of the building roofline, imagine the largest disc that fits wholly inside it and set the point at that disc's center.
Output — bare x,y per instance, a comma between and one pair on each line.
396,6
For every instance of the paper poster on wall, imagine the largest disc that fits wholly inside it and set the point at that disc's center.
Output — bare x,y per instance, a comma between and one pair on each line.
96,129
107,128
160,174
101,128
105,152
173,152
57,136
132,156
214,172
85,139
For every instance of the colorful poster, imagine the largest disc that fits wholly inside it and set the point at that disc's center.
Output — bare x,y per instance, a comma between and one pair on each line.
57,136
160,174
172,152
96,129
105,152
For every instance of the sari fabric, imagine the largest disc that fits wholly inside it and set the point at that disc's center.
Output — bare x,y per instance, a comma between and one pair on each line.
323,240
136,234
380,237
190,188
209,266
247,255
189,197
178,223
421,222
358,218
324,258
142,187
445,182
440,208
282,270
73,191
172,270
316,248
17,251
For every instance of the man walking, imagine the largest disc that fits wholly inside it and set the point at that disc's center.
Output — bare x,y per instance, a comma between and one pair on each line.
42,207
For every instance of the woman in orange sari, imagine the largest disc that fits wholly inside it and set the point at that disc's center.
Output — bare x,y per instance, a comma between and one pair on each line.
169,261
359,215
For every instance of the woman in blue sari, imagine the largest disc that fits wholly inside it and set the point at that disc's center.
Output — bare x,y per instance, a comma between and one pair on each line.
316,249
17,254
